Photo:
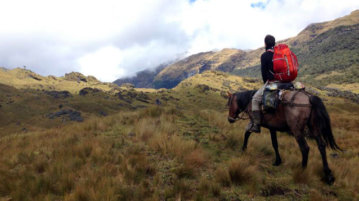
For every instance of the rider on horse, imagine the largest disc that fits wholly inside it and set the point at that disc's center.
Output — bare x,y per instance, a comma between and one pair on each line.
267,76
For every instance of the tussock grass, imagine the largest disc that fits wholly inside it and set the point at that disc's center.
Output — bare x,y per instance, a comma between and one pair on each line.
237,172
173,146
182,150
233,141
241,172
222,176
301,176
197,158
209,188
146,128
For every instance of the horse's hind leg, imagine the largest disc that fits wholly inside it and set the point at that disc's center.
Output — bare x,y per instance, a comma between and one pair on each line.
273,135
329,178
246,136
304,148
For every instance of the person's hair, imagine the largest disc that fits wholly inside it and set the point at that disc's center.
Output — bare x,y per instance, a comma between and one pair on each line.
269,41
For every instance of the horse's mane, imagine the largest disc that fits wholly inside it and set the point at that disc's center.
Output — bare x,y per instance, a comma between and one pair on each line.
244,98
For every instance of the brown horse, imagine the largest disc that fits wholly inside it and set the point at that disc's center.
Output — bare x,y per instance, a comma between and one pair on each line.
297,111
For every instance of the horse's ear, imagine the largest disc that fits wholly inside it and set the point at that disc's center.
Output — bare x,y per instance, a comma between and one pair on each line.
229,94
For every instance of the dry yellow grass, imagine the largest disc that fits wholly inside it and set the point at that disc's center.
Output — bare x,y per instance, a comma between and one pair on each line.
101,159
241,171
354,87
72,82
183,149
328,75
218,81
23,79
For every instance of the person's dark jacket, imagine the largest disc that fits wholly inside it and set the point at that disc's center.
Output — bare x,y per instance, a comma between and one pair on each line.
267,66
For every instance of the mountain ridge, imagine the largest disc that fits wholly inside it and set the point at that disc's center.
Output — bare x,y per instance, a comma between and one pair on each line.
247,63
73,82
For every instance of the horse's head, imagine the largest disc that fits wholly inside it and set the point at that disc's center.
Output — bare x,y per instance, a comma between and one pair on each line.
233,108
238,103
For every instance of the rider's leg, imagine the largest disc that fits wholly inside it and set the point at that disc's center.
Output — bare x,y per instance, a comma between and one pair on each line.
256,101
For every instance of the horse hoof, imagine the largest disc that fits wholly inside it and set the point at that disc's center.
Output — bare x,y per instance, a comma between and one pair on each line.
277,163
329,179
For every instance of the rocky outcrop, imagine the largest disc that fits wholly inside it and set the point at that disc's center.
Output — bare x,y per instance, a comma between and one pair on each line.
35,77
129,96
69,114
58,94
88,90
343,94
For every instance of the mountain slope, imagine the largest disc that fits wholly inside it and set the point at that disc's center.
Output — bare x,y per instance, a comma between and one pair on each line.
142,79
326,51
225,60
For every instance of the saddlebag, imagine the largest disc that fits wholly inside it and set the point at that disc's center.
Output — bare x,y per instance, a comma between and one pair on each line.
270,100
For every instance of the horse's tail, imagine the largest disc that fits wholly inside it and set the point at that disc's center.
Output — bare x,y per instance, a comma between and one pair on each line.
322,121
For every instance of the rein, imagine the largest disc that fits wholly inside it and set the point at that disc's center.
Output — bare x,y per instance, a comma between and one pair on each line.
244,112
241,115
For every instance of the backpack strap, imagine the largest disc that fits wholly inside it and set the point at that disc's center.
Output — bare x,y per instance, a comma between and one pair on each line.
270,50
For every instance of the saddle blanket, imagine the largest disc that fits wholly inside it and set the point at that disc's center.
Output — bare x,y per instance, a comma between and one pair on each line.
272,93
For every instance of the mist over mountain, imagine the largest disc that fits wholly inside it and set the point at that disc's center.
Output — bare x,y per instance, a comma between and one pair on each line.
142,79
327,54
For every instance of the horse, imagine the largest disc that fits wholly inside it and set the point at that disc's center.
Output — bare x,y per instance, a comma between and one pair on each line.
296,111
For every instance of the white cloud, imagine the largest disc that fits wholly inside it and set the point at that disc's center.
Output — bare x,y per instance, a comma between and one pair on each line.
105,63
217,24
114,38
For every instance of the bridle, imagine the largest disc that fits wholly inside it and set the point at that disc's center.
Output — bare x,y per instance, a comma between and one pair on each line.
239,113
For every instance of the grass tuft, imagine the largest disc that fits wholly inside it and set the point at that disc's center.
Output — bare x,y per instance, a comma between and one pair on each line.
240,171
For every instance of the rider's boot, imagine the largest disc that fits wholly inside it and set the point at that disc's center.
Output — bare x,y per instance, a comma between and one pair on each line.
256,128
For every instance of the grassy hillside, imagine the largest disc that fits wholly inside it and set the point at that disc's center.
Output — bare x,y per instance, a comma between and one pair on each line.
335,53
72,82
30,102
329,59
181,148
327,53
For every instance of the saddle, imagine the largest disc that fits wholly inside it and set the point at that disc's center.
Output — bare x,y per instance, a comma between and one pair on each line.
271,94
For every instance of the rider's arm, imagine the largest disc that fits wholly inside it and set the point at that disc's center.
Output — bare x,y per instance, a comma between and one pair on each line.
267,66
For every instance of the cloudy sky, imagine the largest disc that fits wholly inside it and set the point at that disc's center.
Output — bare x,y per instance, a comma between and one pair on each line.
116,38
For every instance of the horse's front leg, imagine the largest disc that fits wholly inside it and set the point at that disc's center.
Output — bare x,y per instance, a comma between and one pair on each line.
278,160
245,142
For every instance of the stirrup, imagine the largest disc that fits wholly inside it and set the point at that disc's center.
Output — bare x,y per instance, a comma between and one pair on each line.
255,128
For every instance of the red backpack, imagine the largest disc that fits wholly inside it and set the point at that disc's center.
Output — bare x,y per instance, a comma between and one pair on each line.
285,64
